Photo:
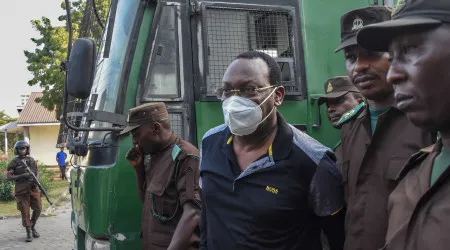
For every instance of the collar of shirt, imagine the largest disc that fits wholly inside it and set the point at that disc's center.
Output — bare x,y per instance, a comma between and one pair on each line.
279,150
365,118
172,140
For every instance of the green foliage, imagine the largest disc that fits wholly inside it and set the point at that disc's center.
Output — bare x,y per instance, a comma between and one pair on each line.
44,177
7,187
4,118
51,50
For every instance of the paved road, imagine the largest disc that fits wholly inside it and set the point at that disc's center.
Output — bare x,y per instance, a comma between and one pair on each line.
55,232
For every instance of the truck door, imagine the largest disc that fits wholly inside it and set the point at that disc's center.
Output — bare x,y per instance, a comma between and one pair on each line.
167,75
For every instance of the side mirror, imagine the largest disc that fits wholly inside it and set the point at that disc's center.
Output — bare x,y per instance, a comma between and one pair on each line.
80,76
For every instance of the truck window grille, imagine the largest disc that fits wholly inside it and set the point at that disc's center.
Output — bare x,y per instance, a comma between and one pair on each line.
176,122
231,31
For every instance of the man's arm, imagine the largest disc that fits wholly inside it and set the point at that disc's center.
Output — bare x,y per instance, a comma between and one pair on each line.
10,176
189,193
333,228
203,223
327,201
186,227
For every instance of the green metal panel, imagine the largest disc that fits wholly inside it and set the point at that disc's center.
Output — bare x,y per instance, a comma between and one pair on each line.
125,206
321,36
108,202
95,200
208,115
91,207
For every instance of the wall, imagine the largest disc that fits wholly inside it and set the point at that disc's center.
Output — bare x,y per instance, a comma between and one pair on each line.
42,143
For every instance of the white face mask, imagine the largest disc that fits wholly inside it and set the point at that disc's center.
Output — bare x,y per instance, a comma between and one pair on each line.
242,115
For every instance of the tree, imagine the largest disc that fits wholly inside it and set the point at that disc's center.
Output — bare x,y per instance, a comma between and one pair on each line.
51,50
5,119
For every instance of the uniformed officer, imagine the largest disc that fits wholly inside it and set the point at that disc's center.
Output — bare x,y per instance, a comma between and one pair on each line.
167,174
418,39
376,140
340,97
26,191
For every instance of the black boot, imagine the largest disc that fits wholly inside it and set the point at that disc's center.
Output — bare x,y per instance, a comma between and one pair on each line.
34,232
29,239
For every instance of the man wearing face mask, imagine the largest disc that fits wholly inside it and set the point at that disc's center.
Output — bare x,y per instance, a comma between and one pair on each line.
377,140
167,176
265,184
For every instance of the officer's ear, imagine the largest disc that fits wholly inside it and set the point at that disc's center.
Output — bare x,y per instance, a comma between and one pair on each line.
156,128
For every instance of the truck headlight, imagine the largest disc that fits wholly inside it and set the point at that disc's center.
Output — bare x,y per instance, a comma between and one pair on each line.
95,244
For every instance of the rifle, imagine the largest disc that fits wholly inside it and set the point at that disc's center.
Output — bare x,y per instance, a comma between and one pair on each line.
38,184
35,180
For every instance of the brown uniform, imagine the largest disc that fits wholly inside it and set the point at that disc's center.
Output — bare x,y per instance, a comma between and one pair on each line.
338,153
26,192
171,180
370,165
418,214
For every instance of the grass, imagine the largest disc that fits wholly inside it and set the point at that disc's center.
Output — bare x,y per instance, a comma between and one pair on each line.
9,208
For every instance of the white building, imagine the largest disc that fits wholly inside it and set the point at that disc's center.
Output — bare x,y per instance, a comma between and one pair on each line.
23,100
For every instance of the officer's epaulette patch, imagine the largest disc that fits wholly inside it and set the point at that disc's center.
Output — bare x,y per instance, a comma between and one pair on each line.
175,152
350,114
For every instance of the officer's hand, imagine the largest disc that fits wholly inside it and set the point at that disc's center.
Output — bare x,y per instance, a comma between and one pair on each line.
134,157
25,175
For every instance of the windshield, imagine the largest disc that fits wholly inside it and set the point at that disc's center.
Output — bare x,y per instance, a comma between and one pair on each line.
107,81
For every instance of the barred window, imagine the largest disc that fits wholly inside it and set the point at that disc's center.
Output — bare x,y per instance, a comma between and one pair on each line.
231,31
176,123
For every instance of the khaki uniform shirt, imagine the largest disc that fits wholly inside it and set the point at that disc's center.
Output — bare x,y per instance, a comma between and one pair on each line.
369,165
23,185
419,217
167,188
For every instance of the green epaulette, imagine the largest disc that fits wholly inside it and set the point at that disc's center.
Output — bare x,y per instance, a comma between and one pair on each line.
175,152
350,114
